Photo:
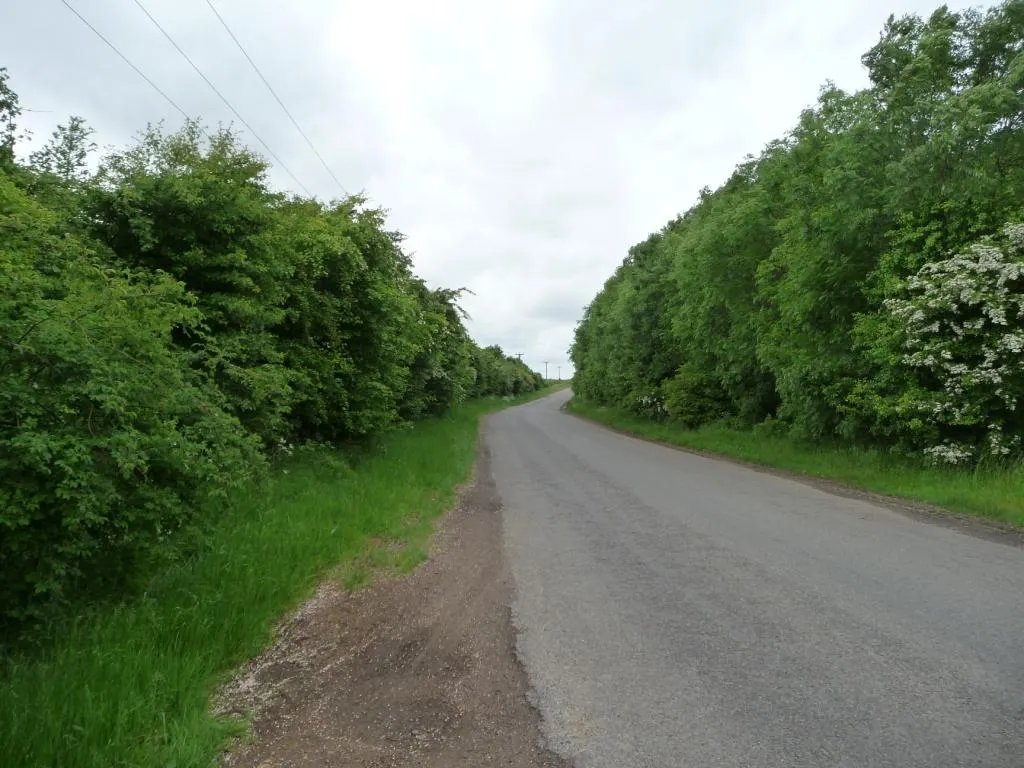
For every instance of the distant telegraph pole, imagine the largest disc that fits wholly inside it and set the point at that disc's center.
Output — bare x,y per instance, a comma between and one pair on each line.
545,370
559,373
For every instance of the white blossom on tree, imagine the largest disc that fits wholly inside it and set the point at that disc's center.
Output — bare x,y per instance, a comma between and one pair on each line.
963,319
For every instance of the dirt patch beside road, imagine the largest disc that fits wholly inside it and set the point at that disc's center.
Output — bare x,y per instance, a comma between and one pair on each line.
413,671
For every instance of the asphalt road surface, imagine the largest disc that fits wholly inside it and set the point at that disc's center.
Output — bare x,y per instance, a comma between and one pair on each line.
675,610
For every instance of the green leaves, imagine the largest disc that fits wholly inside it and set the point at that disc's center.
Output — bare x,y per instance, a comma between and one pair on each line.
958,340
168,323
495,373
765,301
10,111
105,433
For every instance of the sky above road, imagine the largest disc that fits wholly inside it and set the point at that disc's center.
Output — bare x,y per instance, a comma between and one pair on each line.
522,146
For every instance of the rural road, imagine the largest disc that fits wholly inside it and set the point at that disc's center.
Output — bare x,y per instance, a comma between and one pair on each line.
675,610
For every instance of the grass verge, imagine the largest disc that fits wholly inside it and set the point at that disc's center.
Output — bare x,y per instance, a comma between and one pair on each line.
992,492
130,685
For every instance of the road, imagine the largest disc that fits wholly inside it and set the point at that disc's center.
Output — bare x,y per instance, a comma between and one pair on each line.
675,610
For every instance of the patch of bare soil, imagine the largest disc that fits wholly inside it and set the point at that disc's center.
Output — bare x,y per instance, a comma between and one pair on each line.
413,671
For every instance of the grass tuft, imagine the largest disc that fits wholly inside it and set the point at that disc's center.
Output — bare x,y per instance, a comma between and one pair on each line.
994,492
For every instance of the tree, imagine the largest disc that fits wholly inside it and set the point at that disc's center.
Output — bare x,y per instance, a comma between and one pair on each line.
66,154
954,335
776,288
109,443
10,111
169,323
199,209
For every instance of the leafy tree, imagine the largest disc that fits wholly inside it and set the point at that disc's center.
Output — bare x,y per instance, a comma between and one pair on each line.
10,110
59,175
441,375
166,324
954,338
66,154
199,209
108,442
345,328
772,297
499,374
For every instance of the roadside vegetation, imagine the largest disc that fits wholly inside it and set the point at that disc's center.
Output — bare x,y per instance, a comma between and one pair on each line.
211,393
130,684
169,326
851,301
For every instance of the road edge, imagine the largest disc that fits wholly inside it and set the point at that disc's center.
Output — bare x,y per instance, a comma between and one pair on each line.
257,696
970,525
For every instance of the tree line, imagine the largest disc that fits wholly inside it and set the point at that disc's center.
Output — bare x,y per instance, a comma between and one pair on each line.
861,281
169,325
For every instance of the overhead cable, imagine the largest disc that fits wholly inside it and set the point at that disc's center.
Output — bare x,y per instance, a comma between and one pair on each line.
276,97
227,103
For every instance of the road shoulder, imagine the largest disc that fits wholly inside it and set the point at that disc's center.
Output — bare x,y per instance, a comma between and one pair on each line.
419,670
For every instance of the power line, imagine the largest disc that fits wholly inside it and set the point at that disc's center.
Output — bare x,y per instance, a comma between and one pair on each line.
227,103
276,97
126,60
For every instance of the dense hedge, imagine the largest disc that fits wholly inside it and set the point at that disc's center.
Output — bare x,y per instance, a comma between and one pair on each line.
166,324
861,280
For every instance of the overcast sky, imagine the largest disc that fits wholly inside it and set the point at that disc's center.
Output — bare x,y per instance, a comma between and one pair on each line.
522,145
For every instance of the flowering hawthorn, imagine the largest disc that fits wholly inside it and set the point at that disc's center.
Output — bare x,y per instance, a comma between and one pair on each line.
963,319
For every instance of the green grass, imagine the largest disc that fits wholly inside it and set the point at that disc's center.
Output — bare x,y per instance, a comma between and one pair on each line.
131,685
992,492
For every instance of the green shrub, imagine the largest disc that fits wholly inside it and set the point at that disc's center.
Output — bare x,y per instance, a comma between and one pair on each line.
693,397
107,440
773,288
953,336
501,374
199,210
168,323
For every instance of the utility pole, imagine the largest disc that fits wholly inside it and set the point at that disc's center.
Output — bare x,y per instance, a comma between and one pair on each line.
520,356
559,373
545,370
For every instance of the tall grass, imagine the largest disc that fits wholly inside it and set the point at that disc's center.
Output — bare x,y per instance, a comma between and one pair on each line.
130,685
995,492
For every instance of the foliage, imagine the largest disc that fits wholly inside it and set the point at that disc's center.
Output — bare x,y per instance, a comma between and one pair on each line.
200,211
66,154
347,315
441,374
959,338
693,397
60,174
502,375
130,685
772,299
169,323
107,441
9,113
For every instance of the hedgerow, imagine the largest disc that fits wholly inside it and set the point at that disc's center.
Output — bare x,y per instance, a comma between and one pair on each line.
856,283
168,322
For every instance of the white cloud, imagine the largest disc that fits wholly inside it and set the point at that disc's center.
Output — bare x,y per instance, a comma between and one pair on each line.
522,146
